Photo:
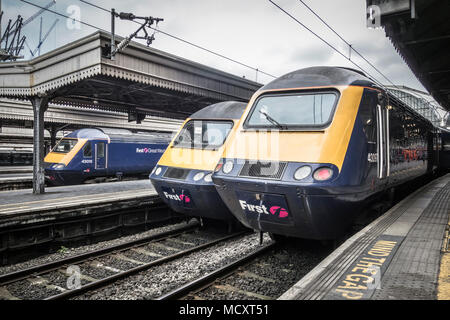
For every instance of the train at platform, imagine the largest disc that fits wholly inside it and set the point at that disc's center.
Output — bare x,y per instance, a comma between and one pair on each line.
92,153
444,154
182,177
315,147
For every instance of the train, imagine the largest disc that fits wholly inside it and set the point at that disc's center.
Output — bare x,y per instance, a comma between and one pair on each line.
16,156
314,147
444,150
182,176
93,153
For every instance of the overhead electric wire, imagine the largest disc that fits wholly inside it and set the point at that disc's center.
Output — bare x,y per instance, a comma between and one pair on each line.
326,42
346,42
64,16
189,43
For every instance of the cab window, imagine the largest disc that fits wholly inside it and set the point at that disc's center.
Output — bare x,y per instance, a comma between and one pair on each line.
65,145
203,134
292,111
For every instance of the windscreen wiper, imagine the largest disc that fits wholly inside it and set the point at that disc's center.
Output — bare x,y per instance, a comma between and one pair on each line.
272,120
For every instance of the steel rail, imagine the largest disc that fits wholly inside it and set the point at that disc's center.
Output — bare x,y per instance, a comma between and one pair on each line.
105,281
210,278
51,266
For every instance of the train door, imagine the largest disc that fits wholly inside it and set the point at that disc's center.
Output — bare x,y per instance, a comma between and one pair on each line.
101,159
383,137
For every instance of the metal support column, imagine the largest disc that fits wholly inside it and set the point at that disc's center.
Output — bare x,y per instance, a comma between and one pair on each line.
53,131
40,105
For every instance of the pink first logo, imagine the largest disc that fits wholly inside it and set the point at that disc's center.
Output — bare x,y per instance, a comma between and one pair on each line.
185,198
274,210
282,212
182,197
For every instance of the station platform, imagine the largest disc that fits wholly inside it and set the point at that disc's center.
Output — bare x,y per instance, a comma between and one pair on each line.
22,206
402,255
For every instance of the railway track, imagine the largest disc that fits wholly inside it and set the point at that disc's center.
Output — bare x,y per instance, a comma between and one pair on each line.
79,274
264,274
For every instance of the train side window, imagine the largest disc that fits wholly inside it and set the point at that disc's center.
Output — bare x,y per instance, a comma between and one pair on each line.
100,150
87,151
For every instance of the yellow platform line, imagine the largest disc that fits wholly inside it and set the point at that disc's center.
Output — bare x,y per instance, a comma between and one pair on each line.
444,271
85,196
56,203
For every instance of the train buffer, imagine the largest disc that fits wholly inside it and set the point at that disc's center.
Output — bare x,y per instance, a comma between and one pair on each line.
404,254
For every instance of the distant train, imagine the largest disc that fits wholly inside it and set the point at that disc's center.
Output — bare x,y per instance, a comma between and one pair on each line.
91,153
444,156
182,177
12,156
315,146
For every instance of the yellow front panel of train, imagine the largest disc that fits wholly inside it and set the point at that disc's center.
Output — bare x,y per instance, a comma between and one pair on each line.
65,158
190,158
325,146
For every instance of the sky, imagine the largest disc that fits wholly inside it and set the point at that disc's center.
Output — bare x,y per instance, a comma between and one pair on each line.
254,32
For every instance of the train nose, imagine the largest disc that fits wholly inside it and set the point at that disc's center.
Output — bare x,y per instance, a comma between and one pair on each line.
294,200
192,194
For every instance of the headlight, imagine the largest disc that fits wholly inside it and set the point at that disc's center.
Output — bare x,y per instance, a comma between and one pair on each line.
302,172
208,178
58,166
199,176
158,171
323,174
228,166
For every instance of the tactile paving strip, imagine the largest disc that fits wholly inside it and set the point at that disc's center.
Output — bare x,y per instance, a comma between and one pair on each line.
320,286
413,272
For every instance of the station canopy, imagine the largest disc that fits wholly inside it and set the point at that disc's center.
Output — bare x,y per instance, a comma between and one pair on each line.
420,31
140,80
421,102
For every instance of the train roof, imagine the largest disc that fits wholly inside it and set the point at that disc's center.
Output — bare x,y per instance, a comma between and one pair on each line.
119,135
320,77
221,110
88,133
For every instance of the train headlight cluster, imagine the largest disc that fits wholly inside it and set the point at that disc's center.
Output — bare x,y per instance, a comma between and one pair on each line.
208,177
302,172
323,174
158,171
228,167
58,166
199,176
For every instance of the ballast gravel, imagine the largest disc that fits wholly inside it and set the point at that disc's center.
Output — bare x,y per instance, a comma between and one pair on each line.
162,279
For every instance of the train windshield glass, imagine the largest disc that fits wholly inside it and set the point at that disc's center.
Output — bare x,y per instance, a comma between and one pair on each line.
65,145
292,111
203,134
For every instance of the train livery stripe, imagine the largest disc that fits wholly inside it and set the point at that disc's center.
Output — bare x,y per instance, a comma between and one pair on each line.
65,158
325,146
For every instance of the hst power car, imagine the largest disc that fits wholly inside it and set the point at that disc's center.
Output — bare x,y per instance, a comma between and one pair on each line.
91,153
314,147
183,174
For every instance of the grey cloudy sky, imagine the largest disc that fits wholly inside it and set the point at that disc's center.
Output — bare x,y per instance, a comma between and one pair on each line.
253,32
